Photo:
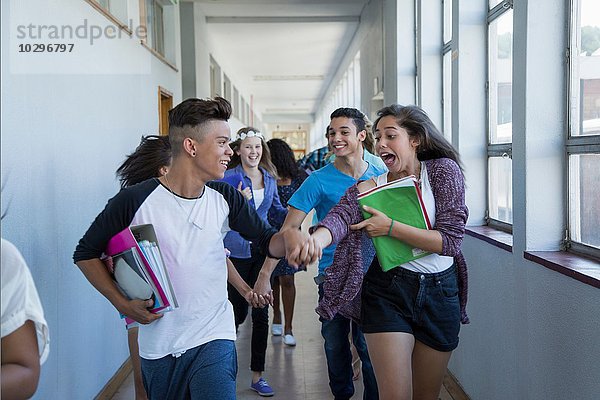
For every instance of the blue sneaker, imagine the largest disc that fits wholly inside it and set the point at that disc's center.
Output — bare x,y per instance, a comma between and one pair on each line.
262,388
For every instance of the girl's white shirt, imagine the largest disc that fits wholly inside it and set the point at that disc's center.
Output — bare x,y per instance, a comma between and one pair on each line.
259,197
20,300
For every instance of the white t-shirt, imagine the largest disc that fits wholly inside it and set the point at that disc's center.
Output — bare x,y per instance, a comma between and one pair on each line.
190,234
259,197
20,300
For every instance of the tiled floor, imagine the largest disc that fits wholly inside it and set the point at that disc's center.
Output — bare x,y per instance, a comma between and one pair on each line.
294,372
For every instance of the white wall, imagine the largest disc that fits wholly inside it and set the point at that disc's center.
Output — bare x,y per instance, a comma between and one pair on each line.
533,332
63,135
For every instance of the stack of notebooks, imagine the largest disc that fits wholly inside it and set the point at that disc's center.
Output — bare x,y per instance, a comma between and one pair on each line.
400,200
139,269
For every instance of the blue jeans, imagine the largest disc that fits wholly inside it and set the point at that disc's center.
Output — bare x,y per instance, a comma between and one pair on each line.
205,372
339,357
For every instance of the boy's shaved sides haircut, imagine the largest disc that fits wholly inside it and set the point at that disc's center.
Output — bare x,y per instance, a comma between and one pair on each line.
189,118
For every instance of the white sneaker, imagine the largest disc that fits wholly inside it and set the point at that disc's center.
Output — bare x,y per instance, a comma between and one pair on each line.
289,340
277,329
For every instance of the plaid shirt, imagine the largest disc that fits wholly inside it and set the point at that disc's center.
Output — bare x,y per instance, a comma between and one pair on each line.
315,160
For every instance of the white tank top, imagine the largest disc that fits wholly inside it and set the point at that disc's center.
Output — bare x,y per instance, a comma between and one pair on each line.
259,197
431,263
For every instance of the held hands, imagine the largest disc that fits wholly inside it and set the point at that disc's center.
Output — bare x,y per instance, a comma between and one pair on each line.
138,310
378,224
247,192
254,299
263,290
301,248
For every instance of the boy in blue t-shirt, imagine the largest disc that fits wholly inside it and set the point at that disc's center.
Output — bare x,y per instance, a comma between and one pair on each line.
348,135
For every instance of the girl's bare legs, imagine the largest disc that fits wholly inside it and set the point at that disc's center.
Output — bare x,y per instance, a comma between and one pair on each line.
275,286
132,340
429,367
288,297
391,354
406,369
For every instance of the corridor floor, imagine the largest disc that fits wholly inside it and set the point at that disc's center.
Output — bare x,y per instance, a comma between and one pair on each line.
295,373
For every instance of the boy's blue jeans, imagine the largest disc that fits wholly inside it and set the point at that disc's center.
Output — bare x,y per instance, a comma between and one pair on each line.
205,372
339,357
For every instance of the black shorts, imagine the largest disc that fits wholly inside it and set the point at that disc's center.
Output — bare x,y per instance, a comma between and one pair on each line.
424,305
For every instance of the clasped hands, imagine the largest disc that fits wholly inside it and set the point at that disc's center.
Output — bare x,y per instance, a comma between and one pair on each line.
261,294
304,249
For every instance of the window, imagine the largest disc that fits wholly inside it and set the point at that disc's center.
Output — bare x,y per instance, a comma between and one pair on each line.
295,138
227,88
343,92
236,103
447,71
583,141
115,10
155,26
242,110
215,78
447,94
356,85
499,88
159,18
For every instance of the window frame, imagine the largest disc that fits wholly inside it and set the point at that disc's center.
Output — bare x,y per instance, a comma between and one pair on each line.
108,14
575,144
418,52
165,56
447,48
495,149
151,31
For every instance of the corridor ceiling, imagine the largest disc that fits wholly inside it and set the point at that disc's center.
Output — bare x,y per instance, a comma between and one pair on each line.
282,52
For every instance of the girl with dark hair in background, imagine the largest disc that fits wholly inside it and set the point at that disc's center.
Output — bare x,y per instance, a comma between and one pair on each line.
252,162
411,314
290,179
150,159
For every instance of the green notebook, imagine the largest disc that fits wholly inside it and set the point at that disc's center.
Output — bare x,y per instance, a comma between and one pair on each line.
400,200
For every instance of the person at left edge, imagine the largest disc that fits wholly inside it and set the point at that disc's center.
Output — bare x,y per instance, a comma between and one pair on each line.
187,353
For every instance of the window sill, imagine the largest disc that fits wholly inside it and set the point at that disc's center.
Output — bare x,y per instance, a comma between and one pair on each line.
583,269
492,236
159,56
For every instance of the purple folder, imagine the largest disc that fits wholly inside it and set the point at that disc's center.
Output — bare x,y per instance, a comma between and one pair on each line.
126,240
234,180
